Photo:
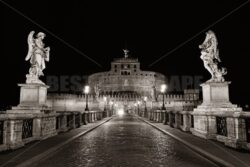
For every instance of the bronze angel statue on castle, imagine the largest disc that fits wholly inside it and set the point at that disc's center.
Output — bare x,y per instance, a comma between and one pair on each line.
37,54
210,57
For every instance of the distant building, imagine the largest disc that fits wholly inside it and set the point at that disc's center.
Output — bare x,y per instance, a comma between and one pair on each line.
125,85
126,78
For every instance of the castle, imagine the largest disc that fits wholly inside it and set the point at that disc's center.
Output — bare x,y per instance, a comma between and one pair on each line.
124,86
126,78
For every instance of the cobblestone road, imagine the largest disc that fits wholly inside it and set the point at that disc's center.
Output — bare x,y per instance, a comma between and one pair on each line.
124,142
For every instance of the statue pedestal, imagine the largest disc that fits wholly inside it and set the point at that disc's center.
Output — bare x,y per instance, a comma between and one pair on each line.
33,99
215,104
216,94
32,109
33,95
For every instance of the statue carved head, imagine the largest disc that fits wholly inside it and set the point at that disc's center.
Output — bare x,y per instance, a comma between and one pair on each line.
41,35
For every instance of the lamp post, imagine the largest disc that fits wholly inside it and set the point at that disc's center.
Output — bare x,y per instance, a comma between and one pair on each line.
145,105
86,91
163,91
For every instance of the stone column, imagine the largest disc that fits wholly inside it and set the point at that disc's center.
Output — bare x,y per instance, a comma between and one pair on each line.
186,122
162,116
212,128
73,120
170,119
81,119
177,120
155,115
64,123
149,114
165,121
84,118
14,134
37,122
95,115
240,129
47,125
3,146
87,116
100,115
90,117
158,115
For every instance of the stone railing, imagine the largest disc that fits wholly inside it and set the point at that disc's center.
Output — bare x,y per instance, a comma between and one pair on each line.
70,120
231,129
18,129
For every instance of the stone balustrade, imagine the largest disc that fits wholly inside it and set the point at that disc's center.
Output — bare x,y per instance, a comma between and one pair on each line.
235,133
16,130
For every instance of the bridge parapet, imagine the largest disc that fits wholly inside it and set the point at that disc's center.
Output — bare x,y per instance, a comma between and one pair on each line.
233,129
17,130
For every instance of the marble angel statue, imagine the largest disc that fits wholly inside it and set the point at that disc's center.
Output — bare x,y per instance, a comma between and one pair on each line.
210,57
37,55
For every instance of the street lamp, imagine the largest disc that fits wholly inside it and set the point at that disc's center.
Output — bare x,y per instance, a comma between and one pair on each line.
163,91
86,91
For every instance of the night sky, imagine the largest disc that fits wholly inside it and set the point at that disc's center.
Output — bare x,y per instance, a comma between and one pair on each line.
101,29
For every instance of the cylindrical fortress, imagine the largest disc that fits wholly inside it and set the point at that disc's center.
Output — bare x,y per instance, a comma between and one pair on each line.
126,77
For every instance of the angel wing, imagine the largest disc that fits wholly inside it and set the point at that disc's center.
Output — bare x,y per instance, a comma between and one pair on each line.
216,50
31,45
217,55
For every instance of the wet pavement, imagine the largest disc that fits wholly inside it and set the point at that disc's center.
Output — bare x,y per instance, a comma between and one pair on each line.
123,142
